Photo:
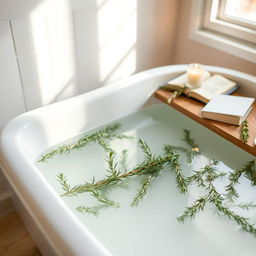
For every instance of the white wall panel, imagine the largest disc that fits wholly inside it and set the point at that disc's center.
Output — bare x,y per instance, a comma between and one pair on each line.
12,9
11,95
105,36
86,36
45,47
26,58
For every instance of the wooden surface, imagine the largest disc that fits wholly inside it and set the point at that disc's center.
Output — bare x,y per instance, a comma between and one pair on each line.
14,238
192,108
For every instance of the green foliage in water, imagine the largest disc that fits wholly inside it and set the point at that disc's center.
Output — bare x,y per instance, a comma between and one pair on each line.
150,168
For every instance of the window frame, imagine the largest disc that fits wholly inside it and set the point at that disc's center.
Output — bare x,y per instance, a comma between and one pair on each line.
207,26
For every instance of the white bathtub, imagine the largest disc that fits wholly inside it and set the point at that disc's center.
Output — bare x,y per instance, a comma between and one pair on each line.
53,226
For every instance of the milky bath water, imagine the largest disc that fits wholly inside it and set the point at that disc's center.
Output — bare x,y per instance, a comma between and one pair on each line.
151,228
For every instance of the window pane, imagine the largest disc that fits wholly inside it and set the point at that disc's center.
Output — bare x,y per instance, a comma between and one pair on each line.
244,10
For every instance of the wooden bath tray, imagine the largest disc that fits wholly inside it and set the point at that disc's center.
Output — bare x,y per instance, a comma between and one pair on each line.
192,108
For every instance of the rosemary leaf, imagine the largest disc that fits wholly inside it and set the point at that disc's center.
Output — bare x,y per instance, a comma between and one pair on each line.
230,188
101,137
241,221
190,154
180,179
91,210
249,171
102,198
148,167
145,184
246,206
124,160
187,138
63,182
145,148
191,211
244,133
112,165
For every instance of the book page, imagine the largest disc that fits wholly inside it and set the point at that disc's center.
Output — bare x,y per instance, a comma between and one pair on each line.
179,81
215,85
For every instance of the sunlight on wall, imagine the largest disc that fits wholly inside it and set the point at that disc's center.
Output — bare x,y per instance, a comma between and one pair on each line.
117,31
81,45
52,34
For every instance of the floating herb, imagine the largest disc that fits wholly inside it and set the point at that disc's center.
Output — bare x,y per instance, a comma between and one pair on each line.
150,168
204,178
244,134
102,137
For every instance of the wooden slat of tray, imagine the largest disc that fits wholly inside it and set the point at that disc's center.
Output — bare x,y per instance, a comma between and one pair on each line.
192,108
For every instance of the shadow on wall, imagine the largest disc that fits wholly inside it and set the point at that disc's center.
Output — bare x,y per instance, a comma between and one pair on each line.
105,34
68,47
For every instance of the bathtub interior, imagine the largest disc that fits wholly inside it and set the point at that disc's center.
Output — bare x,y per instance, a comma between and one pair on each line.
37,130
155,214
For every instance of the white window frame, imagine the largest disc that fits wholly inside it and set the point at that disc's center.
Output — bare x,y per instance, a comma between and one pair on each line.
209,26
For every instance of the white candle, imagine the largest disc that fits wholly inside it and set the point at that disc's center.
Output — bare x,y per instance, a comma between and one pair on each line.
195,74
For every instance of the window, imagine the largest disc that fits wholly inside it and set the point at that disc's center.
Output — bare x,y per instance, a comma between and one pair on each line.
229,25
240,12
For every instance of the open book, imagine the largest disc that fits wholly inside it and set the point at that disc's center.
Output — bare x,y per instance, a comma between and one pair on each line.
211,86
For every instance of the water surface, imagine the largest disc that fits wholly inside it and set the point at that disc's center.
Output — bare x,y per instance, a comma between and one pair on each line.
151,228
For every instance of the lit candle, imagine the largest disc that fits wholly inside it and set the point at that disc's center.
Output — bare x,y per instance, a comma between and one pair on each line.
195,74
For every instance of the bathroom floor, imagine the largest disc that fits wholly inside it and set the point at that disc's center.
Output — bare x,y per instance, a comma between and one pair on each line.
14,238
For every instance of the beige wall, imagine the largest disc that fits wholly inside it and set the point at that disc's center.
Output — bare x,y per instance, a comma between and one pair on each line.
156,32
189,51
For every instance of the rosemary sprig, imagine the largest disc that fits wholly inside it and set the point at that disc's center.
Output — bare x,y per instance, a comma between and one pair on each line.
243,222
63,182
145,148
190,154
180,178
101,137
233,181
147,167
246,206
205,178
151,167
187,138
102,198
207,173
249,170
192,210
124,160
170,89
94,210
112,165
145,184
173,95
244,133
